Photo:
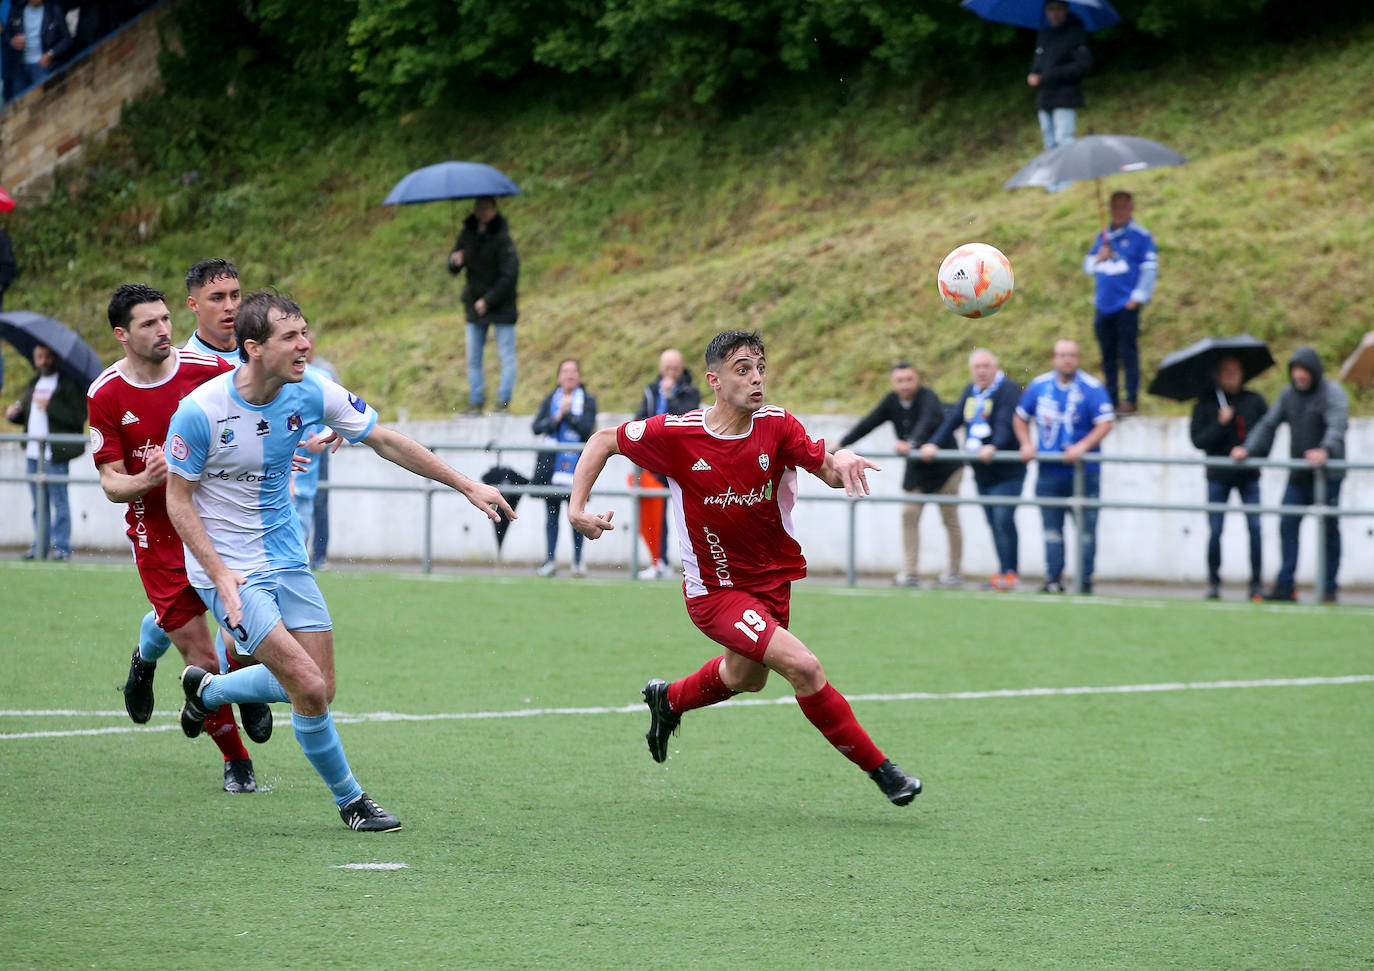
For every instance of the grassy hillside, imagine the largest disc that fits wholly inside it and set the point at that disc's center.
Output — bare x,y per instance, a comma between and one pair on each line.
818,217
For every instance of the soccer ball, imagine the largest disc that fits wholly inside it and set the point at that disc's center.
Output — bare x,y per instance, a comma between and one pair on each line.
975,280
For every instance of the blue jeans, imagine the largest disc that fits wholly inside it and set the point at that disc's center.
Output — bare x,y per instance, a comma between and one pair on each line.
1117,336
505,347
1056,130
27,75
1002,522
1052,519
1249,493
59,537
1300,495
552,504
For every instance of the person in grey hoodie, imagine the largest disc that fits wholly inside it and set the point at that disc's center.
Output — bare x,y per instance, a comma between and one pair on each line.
1317,411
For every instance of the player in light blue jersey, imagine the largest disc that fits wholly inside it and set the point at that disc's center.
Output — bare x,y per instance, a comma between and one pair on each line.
230,449
214,297
1072,413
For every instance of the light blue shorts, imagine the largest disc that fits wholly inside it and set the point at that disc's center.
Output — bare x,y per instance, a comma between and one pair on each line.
289,596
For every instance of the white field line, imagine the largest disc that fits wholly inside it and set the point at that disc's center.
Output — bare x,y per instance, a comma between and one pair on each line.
345,718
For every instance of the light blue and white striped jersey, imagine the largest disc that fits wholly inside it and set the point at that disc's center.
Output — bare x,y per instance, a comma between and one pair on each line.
241,456
196,344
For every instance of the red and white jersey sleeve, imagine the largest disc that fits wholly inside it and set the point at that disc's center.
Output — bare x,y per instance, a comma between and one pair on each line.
733,496
127,421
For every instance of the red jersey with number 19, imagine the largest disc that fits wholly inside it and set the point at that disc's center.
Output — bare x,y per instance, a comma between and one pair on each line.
128,420
733,495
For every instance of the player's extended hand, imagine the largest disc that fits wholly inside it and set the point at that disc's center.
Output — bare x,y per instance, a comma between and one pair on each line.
299,462
155,466
589,524
853,470
227,586
484,497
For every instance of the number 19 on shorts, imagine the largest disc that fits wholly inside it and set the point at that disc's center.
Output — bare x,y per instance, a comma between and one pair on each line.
752,625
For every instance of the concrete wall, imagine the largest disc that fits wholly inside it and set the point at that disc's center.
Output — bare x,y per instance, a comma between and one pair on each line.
1136,545
52,122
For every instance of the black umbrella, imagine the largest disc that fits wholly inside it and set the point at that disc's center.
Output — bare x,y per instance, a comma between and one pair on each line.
501,475
26,330
1188,373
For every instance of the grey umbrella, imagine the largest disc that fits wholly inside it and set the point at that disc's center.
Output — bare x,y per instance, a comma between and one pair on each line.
25,330
1093,157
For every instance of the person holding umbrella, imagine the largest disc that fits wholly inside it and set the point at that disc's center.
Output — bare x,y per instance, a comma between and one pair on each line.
53,403
485,250
1221,421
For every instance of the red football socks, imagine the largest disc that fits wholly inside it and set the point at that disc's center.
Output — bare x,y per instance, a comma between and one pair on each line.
225,731
700,689
828,710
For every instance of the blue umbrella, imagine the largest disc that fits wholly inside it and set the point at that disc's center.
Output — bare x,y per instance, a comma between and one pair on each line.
1095,14
451,180
26,330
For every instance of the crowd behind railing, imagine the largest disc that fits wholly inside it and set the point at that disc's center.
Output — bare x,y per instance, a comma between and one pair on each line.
643,511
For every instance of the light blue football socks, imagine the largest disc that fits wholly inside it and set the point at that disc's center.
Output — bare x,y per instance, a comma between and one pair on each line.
152,639
253,683
321,745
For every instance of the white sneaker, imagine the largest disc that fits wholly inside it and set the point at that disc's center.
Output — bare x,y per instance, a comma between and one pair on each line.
548,569
578,570
949,581
654,571
903,580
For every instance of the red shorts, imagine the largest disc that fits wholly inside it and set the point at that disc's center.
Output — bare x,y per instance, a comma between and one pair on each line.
742,620
175,602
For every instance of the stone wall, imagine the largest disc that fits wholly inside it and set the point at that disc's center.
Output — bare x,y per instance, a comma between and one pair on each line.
52,122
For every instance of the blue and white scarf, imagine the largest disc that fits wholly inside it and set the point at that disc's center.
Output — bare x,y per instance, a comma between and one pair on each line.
976,410
565,462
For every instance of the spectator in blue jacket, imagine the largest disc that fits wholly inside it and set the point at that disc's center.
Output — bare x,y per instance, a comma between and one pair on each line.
1124,262
1072,414
987,408
38,31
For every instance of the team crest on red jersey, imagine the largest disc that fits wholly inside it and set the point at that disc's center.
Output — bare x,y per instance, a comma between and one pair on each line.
763,461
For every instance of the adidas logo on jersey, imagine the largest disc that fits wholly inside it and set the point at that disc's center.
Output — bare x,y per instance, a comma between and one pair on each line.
701,466
129,418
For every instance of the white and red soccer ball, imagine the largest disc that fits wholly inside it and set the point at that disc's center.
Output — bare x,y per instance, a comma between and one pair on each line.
976,280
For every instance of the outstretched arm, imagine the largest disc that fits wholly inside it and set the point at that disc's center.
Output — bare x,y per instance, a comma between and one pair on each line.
409,454
599,448
846,470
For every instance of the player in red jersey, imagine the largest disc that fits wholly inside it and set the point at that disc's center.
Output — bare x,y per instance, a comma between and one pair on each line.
732,472
131,404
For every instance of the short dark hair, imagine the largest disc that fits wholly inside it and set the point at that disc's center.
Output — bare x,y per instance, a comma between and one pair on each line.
903,365
254,320
129,296
727,342
1121,194
484,200
208,270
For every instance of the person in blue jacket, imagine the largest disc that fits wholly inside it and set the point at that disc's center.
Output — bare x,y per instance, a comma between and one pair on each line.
37,30
1125,265
987,408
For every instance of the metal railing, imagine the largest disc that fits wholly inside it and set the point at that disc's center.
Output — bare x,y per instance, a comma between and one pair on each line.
1076,503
